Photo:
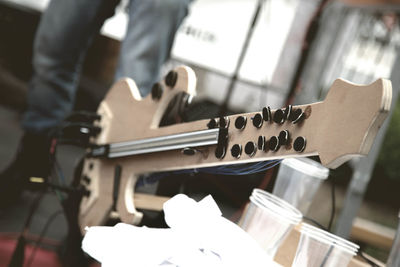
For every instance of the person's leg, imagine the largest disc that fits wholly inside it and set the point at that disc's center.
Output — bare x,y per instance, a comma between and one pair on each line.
61,41
64,34
149,38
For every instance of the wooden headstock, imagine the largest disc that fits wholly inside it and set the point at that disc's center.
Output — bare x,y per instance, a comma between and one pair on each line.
343,126
349,119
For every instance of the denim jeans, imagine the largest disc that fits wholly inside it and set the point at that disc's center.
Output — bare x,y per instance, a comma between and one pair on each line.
64,35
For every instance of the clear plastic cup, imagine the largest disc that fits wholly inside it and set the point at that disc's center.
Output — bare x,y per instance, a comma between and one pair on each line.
269,219
318,248
298,180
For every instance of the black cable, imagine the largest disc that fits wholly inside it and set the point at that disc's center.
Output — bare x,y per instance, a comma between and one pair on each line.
315,222
224,106
361,254
17,259
32,211
330,221
309,38
41,236
333,209
83,116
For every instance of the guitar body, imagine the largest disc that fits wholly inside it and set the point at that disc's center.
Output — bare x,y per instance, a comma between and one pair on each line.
124,116
341,127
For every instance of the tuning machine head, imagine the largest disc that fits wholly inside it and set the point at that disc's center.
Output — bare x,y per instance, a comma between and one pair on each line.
266,112
250,148
288,111
212,124
240,122
156,91
236,151
171,78
279,116
297,116
284,137
257,120
300,144
261,143
274,144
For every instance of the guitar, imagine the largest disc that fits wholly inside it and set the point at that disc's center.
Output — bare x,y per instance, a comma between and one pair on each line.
131,142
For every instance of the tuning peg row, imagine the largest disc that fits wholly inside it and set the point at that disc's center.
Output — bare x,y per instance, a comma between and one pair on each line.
274,143
279,117
282,115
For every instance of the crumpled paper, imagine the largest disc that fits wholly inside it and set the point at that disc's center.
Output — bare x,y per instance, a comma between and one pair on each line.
198,236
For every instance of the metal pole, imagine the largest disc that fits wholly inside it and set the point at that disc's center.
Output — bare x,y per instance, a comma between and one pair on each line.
363,169
224,106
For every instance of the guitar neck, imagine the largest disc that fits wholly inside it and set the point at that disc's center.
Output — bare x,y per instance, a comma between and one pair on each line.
221,148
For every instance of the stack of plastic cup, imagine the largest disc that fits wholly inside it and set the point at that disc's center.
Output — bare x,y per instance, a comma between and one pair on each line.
298,180
319,248
269,219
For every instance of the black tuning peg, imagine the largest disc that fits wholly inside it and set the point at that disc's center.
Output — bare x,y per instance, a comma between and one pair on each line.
288,112
279,116
236,151
297,116
299,144
240,122
250,148
171,78
156,91
257,120
220,152
261,143
274,144
213,123
300,118
266,111
284,137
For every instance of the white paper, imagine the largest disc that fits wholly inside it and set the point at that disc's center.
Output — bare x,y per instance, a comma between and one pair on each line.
198,236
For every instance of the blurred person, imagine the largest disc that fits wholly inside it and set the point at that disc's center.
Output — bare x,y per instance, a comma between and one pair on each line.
64,34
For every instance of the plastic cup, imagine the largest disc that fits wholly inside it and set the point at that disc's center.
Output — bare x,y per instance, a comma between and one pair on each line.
318,248
298,180
269,219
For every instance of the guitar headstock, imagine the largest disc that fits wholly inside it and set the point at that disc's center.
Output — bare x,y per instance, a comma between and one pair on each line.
341,127
349,119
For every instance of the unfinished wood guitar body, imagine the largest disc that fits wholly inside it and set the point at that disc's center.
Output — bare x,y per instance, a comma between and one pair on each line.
343,126
125,116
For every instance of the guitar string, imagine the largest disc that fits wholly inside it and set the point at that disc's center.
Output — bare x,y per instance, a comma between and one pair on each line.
237,169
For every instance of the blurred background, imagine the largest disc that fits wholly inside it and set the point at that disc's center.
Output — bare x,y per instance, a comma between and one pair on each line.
298,48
